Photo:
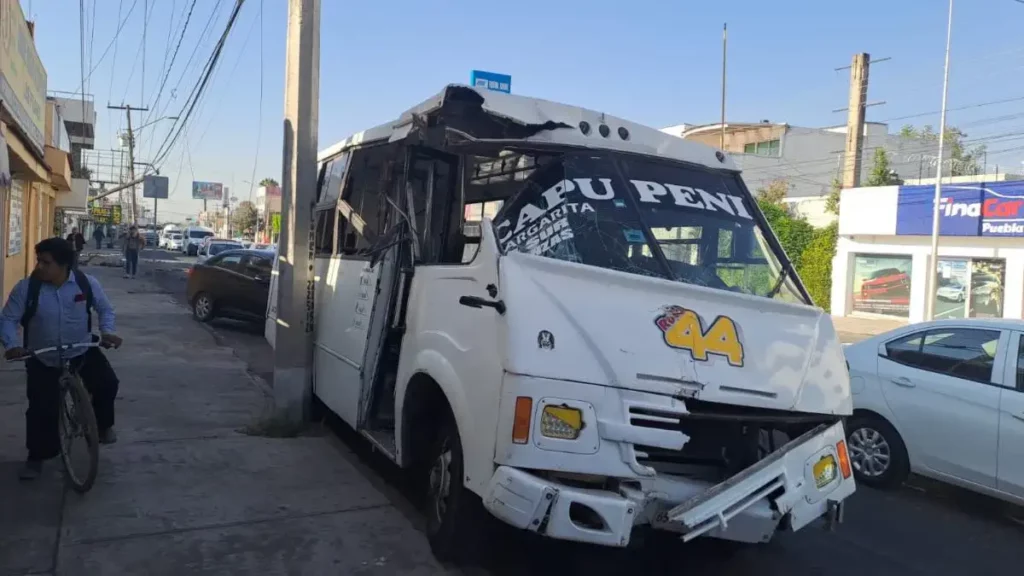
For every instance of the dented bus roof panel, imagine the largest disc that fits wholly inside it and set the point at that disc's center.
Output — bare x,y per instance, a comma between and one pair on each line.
535,112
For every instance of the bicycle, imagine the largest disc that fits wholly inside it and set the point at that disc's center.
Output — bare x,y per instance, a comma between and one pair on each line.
76,416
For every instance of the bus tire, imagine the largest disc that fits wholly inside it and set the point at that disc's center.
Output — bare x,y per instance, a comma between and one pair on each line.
456,518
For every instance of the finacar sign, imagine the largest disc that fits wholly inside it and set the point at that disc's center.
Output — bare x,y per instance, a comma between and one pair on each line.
542,221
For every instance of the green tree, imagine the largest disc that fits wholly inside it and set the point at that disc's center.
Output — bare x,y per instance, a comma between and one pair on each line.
882,173
269,182
832,201
775,192
244,217
966,160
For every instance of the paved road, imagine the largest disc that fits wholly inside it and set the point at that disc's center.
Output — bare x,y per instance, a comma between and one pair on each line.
923,529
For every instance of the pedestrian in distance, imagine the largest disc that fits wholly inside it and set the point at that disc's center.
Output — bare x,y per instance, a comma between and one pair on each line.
54,306
97,235
77,241
133,245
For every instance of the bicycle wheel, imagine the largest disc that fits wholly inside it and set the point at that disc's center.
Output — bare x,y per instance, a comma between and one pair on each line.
77,420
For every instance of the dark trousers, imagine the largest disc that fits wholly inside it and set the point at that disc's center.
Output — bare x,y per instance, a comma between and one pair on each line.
99,242
131,261
42,435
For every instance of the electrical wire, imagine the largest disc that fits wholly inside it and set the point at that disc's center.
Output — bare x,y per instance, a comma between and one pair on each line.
145,28
174,57
259,123
197,92
113,40
188,64
220,100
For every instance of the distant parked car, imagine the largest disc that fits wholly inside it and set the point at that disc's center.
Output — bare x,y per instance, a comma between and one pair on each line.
232,284
192,237
214,247
953,292
174,241
943,399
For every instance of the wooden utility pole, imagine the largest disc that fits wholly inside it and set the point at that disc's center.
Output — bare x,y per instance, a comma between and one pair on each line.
293,346
131,153
855,120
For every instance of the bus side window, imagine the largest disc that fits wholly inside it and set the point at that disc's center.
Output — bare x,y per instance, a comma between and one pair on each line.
472,215
332,176
360,210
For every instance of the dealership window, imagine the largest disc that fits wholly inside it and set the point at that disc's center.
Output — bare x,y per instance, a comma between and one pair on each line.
766,148
881,285
969,288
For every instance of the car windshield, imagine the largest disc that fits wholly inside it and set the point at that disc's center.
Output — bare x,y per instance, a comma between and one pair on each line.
653,218
175,236
218,248
199,234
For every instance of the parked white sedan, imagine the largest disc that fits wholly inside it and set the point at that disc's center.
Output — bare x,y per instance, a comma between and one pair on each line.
942,399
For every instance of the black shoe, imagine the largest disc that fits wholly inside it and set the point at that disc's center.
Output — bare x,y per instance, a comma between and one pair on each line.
108,436
31,470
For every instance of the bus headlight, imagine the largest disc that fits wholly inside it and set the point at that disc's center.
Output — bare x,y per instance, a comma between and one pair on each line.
561,422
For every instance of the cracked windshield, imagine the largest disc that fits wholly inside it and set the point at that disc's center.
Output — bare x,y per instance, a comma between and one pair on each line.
672,221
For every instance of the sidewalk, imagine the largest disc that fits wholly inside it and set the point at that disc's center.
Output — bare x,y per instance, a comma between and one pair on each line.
853,329
184,491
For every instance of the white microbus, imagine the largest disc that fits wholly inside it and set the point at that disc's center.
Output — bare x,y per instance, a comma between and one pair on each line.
624,344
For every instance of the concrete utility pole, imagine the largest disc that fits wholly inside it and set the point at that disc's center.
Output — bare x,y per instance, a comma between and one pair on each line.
131,152
855,117
929,309
855,120
293,350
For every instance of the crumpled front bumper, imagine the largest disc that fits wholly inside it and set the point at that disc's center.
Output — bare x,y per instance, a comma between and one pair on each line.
747,507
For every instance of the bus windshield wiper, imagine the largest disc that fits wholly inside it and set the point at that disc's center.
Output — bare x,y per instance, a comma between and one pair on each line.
782,278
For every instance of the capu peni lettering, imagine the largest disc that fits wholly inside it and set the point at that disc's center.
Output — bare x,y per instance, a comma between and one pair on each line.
532,217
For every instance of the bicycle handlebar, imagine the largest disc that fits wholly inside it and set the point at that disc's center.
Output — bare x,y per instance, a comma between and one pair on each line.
61,348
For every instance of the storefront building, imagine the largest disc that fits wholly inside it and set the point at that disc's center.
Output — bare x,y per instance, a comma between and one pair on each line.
883,254
33,167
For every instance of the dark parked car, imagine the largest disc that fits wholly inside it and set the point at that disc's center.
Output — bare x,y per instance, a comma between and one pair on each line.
233,284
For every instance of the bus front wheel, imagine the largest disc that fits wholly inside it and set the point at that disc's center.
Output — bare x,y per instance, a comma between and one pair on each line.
456,519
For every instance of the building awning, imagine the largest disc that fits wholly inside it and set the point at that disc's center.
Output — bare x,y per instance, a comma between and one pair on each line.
23,163
5,162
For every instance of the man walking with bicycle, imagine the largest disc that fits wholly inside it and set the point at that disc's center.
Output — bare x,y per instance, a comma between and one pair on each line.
53,308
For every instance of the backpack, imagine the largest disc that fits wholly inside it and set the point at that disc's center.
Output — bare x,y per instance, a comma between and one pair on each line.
35,285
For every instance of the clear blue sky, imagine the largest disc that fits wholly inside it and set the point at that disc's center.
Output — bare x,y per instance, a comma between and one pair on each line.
655,62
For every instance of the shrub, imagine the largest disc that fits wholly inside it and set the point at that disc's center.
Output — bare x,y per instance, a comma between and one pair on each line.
816,265
794,233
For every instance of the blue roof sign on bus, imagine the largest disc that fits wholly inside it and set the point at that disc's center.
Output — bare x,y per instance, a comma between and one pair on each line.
491,81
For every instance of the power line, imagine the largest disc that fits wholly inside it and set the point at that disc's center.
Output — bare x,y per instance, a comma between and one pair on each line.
201,86
174,56
92,40
231,75
145,28
259,123
113,40
967,107
81,41
188,65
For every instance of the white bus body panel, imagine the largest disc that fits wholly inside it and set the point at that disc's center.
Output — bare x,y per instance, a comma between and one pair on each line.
344,301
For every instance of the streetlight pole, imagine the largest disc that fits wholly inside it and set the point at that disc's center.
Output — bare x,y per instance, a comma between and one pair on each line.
929,311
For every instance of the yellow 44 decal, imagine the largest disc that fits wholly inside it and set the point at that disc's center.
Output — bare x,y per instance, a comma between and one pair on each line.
684,329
